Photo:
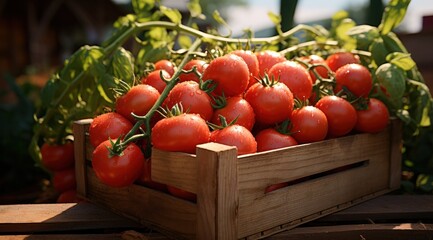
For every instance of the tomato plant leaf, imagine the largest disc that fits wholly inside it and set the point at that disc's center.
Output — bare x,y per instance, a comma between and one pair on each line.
402,60
393,15
122,65
195,10
140,6
172,14
184,41
425,183
364,35
378,51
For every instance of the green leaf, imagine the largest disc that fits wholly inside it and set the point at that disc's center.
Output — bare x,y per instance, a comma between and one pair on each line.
402,60
275,18
173,14
378,51
122,65
341,33
49,91
158,34
141,6
184,41
393,15
364,35
393,79
195,10
424,182
218,18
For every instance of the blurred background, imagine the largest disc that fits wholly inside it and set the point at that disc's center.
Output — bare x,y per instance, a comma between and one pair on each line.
36,36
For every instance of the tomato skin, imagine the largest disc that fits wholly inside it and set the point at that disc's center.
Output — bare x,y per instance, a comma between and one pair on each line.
146,177
272,104
341,115
269,139
117,171
166,65
64,180
321,70
339,59
138,100
294,76
192,99
236,107
374,119
235,135
230,74
154,79
57,157
267,59
177,192
108,125
252,62
69,196
309,124
200,65
356,78
180,133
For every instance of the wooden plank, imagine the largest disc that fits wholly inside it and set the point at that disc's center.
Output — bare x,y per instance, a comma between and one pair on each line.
391,231
395,154
126,235
175,169
80,128
217,205
59,217
387,207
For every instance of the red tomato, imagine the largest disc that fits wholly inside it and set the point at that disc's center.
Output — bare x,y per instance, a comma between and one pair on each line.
316,60
294,76
57,157
166,65
356,78
267,59
373,119
69,196
180,133
108,125
200,66
118,170
177,192
309,124
192,98
236,107
269,139
252,62
271,104
154,79
138,100
64,180
235,135
230,74
146,177
339,59
341,115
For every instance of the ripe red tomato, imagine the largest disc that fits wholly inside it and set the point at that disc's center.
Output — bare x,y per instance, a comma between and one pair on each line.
235,135
341,115
69,196
236,107
270,138
200,66
146,177
230,74
267,59
64,180
356,78
339,59
118,170
373,119
192,98
154,79
294,76
57,157
108,125
138,100
252,62
309,124
315,60
271,104
180,133
177,192
166,65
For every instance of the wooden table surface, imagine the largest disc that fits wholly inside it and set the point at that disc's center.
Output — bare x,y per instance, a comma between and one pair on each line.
386,217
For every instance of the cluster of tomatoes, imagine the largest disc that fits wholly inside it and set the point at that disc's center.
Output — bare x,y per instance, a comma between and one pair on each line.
59,160
256,101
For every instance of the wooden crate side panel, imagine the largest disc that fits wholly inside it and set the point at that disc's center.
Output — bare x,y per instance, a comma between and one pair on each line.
159,210
312,197
80,129
395,154
256,172
175,169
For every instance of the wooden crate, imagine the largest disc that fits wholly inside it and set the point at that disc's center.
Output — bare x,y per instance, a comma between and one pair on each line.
324,177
